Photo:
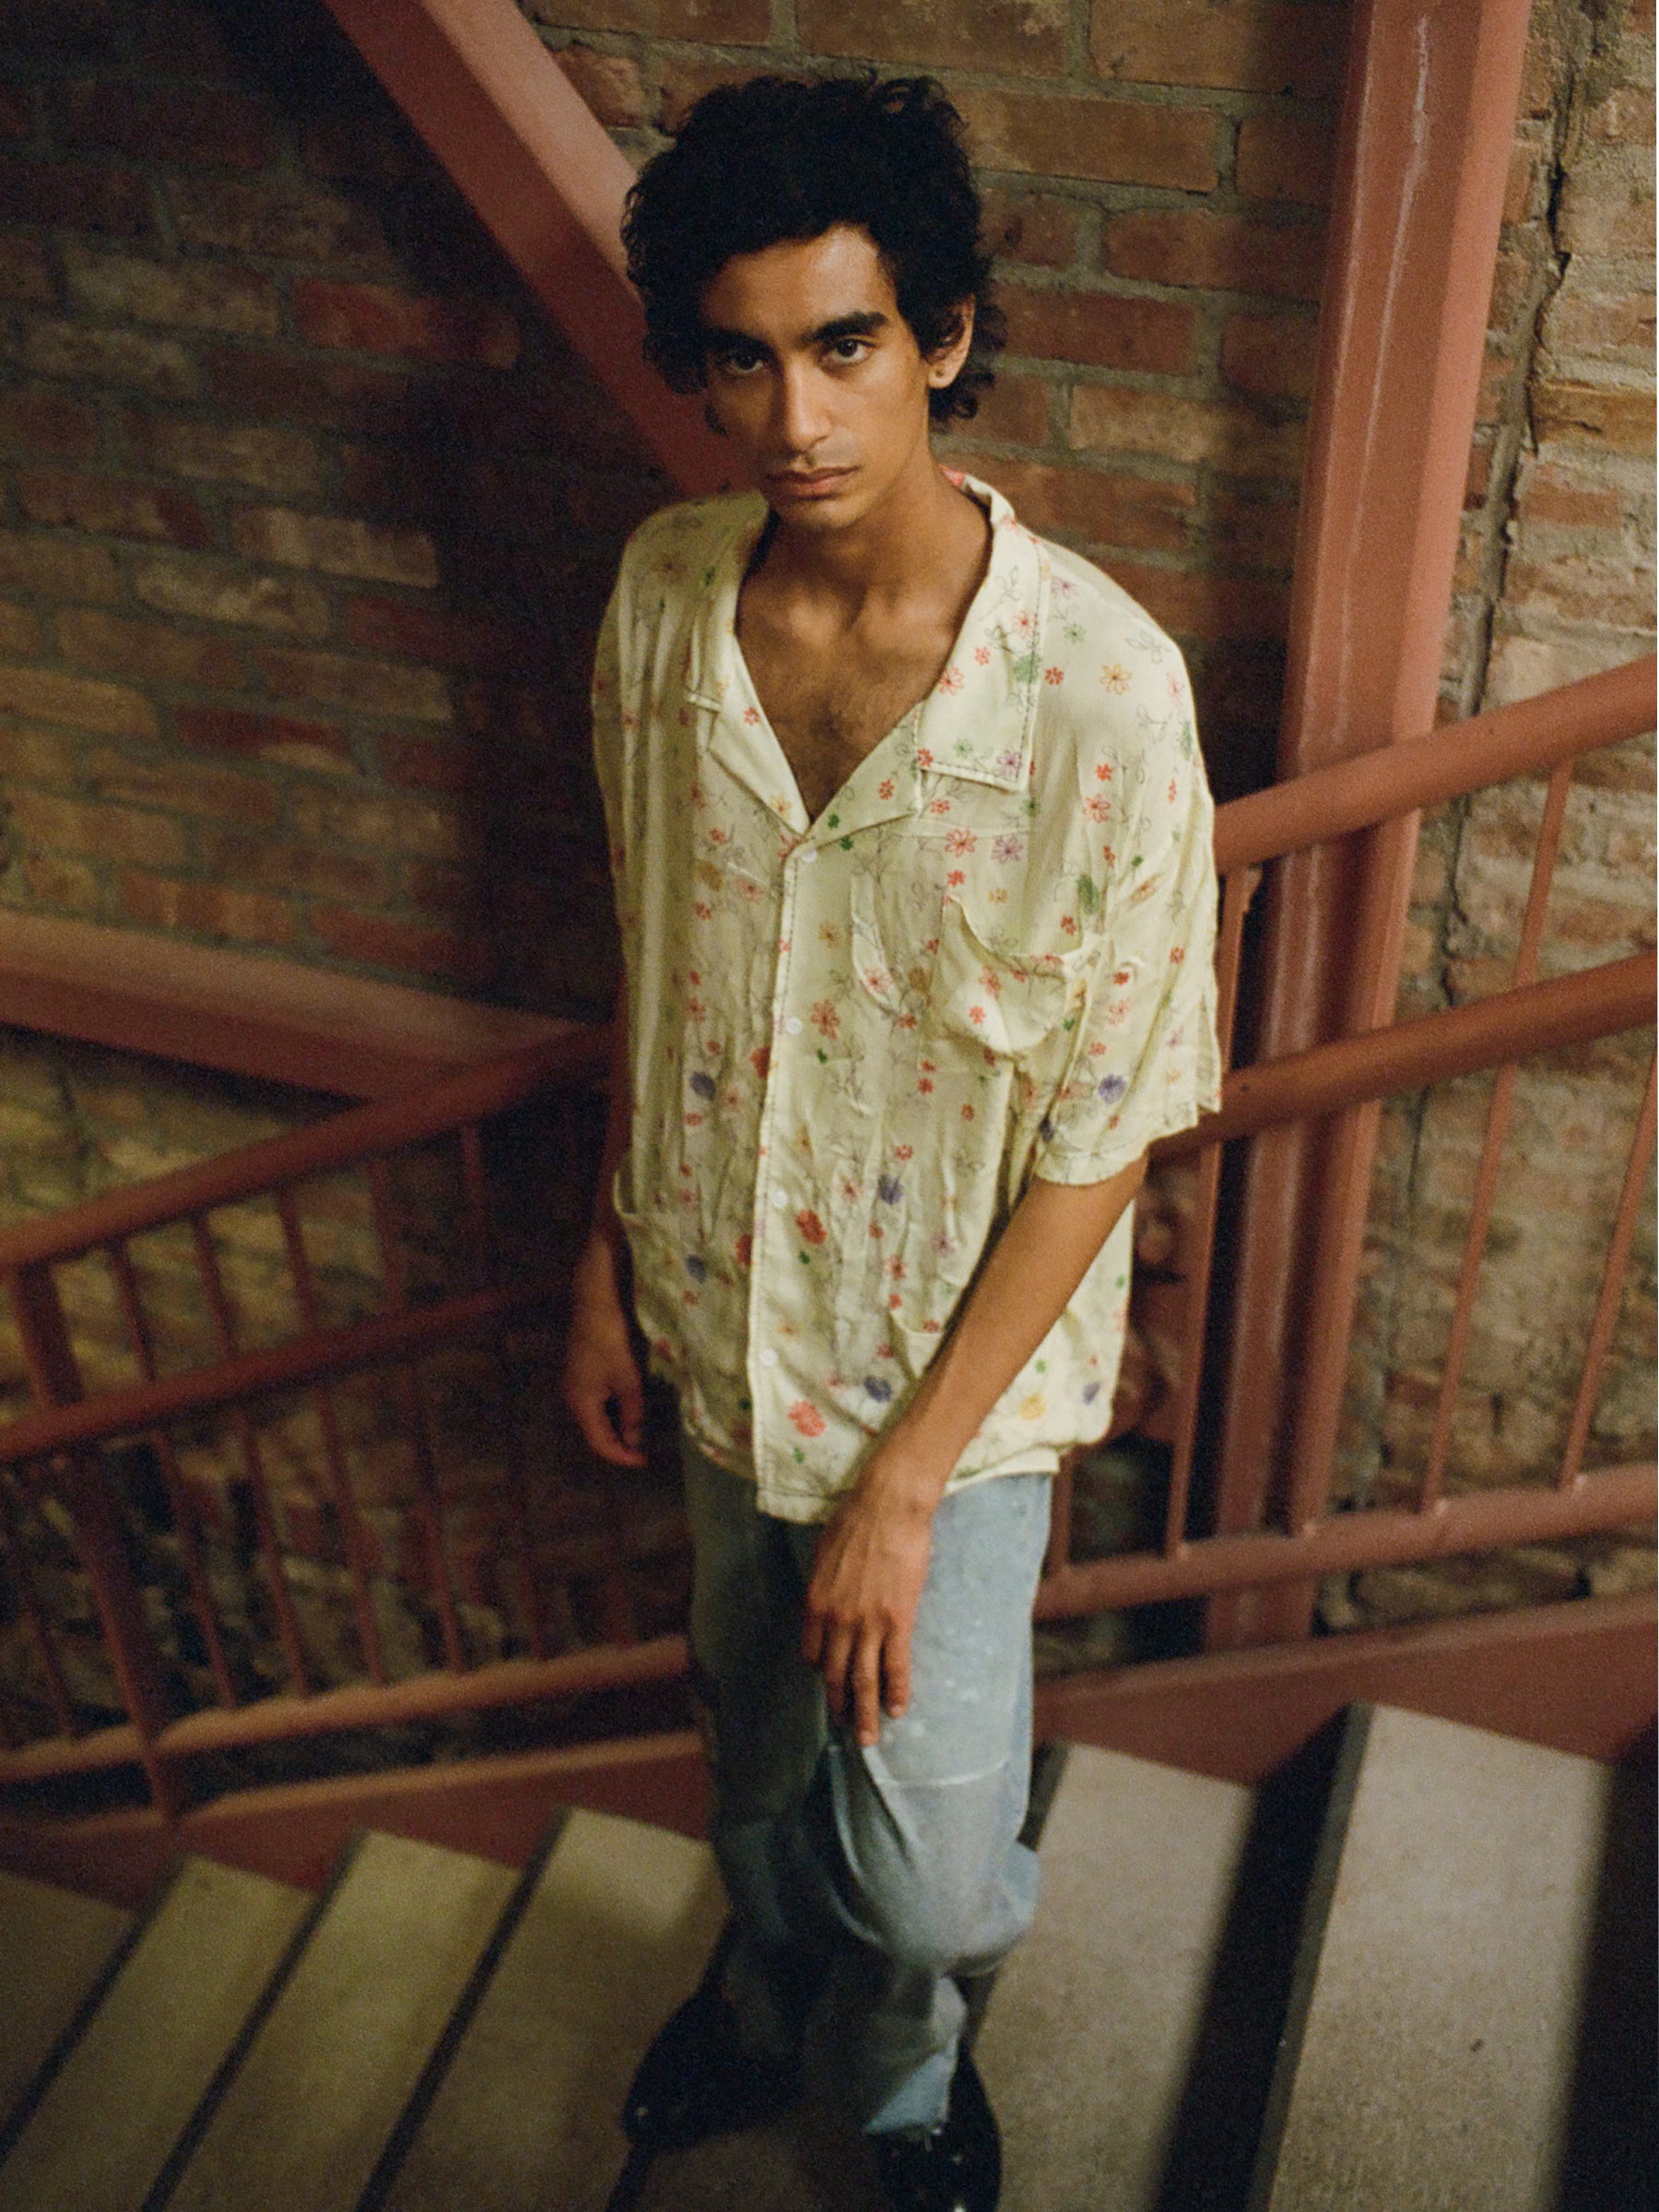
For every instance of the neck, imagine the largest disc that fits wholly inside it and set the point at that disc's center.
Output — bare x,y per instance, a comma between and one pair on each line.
887,552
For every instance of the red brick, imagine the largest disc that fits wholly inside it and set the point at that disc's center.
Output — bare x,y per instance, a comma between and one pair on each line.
609,83
283,864
206,909
370,687
1518,183
60,568
279,738
443,635
240,453
1287,158
1603,593
1109,141
1242,45
1607,206
83,354
149,651
373,318
1611,326
195,295
1271,357
48,422
25,273
1259,532
415,764
1479,480
1552,495
1026,40
685,82
1624,117
112,710
1097,509
112,505
1222,252
384,824
339,545
355,145
1198,605
290,606
709,22
1104,329
1035,228
20,630
31,755
333,396
1218,432
288,221
69,195
1518,275
440,890
59,29
52,881
403,947
69,826
221,129
182,787
1620,420
1014,412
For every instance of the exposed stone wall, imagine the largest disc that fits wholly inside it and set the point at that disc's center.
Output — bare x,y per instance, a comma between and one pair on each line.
1556,580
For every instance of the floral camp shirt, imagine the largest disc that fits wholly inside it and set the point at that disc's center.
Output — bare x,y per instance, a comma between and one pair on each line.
854,1041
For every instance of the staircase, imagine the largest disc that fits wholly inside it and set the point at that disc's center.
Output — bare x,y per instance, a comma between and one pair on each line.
1413,1969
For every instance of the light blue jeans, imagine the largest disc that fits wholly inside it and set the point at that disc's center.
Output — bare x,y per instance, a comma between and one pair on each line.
862,1881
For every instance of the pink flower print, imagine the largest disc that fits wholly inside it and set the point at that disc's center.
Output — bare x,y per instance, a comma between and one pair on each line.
960,842
896,1270
1069,923
825,1018
968,1114
1109,857
702,910
718,836
1121,975
956,876
812,1230
1054,675
923,757
760,1060
1024,620
1007,848
938,806
1096,809
752,715
977,1016
1115,676
990,981
904,1152
924,1085
1178,954
1173,682
895,1301
982,653
807,1418
1008,764
886,787
1170,794
1102,771
952,679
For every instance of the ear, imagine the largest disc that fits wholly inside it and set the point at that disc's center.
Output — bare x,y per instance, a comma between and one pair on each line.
945,365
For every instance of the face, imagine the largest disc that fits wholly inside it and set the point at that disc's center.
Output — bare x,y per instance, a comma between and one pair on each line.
815,378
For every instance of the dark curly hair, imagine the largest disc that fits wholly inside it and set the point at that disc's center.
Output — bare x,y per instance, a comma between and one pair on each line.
778,158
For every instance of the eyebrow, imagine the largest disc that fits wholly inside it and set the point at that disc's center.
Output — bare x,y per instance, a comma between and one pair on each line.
863,325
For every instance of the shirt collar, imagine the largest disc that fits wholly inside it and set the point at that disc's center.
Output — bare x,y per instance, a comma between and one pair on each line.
976,723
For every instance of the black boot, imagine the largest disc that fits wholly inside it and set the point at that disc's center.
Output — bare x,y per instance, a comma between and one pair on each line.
700,2080
956,2167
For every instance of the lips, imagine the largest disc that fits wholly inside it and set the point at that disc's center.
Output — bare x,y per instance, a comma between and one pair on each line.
817,486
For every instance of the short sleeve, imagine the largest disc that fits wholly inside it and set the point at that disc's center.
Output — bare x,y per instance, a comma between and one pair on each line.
608,726
1143,1061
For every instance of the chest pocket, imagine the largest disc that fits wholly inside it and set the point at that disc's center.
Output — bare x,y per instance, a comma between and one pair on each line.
1007,1004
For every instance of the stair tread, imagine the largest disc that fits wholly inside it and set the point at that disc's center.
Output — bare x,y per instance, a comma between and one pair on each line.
1433,2063
616,1933
106,2124
54,1946
804,2162
1093,2019
312,2105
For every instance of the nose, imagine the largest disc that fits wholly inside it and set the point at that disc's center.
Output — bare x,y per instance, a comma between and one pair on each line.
801,416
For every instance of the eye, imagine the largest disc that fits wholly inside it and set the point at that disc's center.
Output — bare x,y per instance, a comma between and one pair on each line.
737,360
844,352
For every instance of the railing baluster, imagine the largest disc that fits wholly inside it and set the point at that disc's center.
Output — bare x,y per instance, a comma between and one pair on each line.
531,1595
253,1459
1498,1109
182,1505
22,1575
385,1232
352,1532
1060,1516
1612,1290
476,1190
1199,1238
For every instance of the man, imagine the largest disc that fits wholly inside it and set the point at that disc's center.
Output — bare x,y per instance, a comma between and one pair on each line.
911,847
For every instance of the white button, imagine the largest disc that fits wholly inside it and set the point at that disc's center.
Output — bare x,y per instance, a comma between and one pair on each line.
793,1026
768,1359
808,854
780,1199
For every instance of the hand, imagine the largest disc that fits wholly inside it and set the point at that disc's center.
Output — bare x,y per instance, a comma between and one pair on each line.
600,1370
861,1606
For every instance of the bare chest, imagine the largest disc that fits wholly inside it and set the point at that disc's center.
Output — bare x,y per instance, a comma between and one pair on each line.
830,710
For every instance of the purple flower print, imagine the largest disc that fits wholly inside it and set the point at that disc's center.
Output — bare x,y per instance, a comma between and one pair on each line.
890,1190
696,1268
1091,1391
878,1388
1007,848
702,1085
1111,1090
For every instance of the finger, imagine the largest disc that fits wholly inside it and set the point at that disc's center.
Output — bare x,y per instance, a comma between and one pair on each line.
866,1689
630,1407
897,1672
834,1667
586,1401
813,1629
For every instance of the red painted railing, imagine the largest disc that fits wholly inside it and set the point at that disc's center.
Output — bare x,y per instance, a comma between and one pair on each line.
55,1460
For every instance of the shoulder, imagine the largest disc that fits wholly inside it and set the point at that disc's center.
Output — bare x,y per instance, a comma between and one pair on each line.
673,552
1092,617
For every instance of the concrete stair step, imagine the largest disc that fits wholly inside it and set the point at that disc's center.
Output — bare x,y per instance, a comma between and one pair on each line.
306,2117
615,1931
55,1950
1430,2053
197,1968
1094,2020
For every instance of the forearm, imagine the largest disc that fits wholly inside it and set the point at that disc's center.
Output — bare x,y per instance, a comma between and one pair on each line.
618,1123
1026,1283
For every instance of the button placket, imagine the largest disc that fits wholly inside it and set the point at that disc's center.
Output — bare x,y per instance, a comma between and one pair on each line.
771,1198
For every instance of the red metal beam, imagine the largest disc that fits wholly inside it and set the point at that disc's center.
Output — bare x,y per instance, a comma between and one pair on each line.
547,181
1429,114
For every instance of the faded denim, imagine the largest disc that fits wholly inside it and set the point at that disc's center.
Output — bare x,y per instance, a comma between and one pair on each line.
862,1881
